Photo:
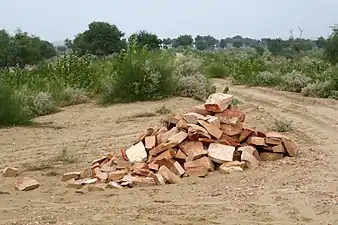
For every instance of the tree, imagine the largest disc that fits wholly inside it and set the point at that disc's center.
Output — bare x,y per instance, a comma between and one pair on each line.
331,46
237,43
205,42
320,42
145,38
100,39
68,43
223,43
47,49
183,40
61,48
5,39
166,42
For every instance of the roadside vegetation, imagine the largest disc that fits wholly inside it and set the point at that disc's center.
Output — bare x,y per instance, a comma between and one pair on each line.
37,78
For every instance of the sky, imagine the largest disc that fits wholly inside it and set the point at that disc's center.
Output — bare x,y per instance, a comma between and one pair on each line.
55,20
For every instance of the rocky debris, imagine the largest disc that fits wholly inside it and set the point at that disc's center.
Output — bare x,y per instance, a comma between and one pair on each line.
210,137
26,184
10,172
71,175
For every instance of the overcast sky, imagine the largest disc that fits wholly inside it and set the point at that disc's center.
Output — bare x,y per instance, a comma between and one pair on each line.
55,20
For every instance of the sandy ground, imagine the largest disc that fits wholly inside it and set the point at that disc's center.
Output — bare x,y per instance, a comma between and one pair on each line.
301,190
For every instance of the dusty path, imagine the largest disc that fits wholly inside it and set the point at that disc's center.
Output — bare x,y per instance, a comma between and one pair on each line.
302,190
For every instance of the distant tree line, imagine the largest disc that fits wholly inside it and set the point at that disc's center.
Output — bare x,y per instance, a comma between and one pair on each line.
102,39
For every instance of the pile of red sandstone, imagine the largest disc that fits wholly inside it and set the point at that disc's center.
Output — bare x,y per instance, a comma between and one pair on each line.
210,137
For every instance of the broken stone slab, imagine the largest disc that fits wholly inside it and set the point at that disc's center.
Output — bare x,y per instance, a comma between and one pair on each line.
218,102
159,179
227,140
140,137
164,162
278,149
77,184
117,175
199,167
137,153
220,153
290,146
233,164
196,154
232,130
115,185
245,134
123,164
231,116
196,128
269,156
231,169
144,181
178,138
102,177
26,184
212,130
89,181
177,169
10,172
251,150
188,146
109,166
169,176
161,148
164,137
182,124
169,154
71,175
150,142
192,117
257,141
141,172
103,159
138,166
250,160
180,155
213,120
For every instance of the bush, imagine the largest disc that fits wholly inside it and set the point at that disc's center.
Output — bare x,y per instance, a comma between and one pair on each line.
71,96
282,125
193,87
216,70
42,104
12,111
188,78
267,78
140,75
294,81
318,89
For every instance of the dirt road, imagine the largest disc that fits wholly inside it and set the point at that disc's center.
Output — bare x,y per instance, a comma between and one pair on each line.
302,190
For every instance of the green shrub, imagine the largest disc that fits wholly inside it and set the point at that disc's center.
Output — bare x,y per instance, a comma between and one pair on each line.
188,78
12,111
42,104
140,75
193,87
318,89
294,81
267,78
216,70
282,125
71,96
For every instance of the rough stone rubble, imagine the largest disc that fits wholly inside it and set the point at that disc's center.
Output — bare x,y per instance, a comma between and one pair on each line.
210,137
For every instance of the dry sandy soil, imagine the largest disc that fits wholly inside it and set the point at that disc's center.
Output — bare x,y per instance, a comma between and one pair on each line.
301,190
